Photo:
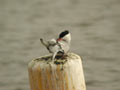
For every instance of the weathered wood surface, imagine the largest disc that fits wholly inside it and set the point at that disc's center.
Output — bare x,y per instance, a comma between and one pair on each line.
66,74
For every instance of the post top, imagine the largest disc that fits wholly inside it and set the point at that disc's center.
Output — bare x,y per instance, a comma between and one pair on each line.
47,59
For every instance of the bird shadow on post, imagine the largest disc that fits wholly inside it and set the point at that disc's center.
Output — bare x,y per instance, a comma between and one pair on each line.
61,74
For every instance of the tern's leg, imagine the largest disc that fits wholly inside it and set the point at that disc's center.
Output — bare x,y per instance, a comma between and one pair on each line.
53,57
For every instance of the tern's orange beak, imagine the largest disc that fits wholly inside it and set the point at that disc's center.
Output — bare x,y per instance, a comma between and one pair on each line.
59,39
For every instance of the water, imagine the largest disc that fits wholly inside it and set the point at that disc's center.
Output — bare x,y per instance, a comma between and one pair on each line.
94,25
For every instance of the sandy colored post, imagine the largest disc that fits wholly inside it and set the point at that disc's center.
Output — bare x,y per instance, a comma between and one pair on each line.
65,74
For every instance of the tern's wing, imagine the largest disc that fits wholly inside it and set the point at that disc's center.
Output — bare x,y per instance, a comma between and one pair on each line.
44,43
52,42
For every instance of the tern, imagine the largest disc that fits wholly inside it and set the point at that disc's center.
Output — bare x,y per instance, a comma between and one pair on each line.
61,45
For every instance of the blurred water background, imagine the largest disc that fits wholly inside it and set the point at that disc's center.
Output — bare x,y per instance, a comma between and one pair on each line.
95,28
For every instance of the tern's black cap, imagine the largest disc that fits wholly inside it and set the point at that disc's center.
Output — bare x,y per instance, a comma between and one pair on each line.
62,34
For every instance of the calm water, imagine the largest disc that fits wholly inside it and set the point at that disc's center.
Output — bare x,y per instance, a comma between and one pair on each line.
95,28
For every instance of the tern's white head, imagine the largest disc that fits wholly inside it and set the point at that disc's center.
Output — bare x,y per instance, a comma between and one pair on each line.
65,36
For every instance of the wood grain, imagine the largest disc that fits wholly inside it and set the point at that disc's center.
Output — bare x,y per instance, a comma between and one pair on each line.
63,74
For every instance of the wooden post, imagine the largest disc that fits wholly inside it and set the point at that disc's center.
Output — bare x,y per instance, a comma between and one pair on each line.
63,74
